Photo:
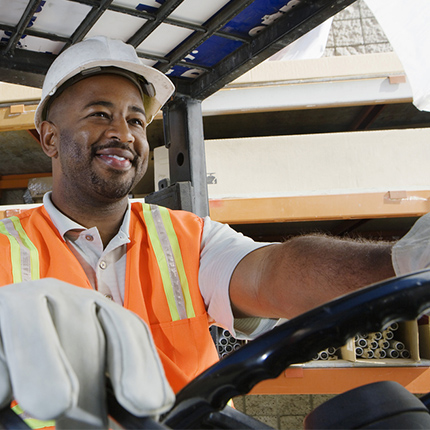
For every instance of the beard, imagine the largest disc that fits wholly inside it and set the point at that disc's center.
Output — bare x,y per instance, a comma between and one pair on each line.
78,164
111,189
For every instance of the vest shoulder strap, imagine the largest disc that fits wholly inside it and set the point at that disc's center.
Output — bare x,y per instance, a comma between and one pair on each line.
165,245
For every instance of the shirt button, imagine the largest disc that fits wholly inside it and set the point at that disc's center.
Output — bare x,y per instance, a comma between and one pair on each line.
89,238
102,264
108,296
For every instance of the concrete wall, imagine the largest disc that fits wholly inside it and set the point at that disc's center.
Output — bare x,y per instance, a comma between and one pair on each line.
284,412
356,31
318,164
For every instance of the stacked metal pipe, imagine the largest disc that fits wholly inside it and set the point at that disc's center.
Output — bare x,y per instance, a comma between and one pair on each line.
380,344
328,354
226,343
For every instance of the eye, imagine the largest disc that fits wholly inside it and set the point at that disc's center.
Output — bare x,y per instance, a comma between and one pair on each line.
101,114
137,121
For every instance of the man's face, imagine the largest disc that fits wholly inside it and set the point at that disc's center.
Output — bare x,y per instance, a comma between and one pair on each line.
102,145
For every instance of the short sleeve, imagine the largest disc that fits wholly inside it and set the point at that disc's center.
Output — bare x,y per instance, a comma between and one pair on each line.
222,249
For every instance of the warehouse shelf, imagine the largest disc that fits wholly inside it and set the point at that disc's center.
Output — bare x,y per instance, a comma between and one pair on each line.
321,207
342,376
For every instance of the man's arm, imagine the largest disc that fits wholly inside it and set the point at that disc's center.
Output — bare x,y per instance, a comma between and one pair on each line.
284,280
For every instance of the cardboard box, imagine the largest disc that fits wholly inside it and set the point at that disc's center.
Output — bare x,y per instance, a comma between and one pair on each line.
424,336
405,338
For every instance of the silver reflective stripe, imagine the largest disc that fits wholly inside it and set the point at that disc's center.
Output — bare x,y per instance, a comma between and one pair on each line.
170,259
24,251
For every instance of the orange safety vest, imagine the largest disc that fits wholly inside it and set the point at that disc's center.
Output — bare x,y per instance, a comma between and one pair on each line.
161,284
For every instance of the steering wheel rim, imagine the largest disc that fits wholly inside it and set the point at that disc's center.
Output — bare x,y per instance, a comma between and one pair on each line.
300,339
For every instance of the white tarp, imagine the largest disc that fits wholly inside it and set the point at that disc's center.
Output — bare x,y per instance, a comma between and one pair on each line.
407,27
311,45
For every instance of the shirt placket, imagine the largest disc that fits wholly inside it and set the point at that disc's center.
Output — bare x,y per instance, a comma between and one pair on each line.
109,267
91,246
100,260
104,267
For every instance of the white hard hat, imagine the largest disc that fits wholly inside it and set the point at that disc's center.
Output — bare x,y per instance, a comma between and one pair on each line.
97,55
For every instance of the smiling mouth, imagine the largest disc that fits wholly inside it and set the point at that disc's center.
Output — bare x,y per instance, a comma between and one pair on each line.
116,158
119,163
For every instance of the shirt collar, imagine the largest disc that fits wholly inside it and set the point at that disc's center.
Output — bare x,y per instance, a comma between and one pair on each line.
64,224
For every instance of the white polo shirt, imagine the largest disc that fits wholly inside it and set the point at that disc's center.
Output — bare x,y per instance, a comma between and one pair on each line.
222,249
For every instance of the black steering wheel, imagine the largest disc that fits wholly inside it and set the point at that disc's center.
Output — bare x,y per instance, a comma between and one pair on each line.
201,403
298,341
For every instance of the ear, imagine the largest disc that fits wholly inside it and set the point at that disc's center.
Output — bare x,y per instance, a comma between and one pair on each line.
49,138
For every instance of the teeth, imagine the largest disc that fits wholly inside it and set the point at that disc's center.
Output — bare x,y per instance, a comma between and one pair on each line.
117,157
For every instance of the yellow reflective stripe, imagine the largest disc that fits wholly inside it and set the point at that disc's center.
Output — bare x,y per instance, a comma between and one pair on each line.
161,260
32,422
38,424
17,409
15,254
34,253
24,255
169,258
179,261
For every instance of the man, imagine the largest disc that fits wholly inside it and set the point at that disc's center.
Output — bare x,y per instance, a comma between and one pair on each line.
178,272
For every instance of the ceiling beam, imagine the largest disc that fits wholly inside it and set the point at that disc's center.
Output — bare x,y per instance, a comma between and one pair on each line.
171,21
162,13
25,67
216,23
85,26
19,30
293,24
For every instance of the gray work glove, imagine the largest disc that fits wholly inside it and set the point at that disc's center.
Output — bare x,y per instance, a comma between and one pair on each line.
412,252
57,342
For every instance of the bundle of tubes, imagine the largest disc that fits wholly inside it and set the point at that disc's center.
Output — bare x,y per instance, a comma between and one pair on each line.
380,344
328,354
227,343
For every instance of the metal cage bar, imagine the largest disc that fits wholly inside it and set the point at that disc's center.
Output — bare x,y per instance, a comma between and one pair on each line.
19,30
214,24
162,13
92,17
281,33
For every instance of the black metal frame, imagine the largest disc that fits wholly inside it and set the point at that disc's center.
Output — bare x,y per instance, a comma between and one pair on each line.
305,16
21,66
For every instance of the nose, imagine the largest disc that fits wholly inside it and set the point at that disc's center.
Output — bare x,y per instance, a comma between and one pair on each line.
120,130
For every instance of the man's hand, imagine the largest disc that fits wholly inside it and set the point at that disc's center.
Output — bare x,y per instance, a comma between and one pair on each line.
58,341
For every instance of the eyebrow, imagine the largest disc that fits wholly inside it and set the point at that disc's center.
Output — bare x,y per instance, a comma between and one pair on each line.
139,110
107,104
